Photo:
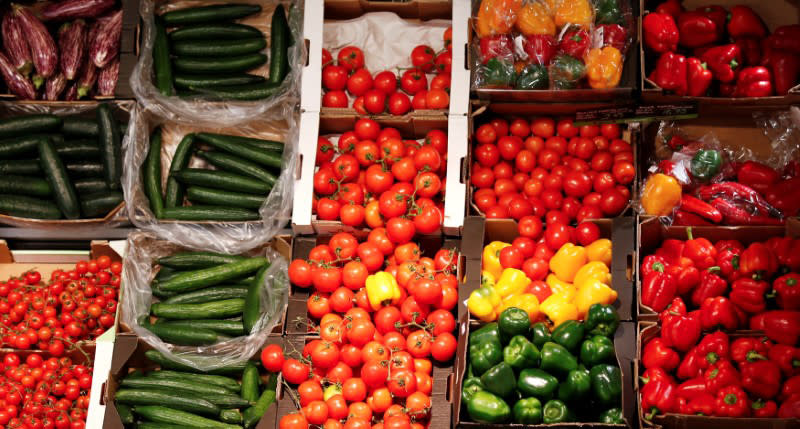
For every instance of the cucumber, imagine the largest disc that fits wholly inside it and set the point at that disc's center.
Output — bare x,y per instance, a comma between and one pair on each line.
252,415
197,260
159,358
280,39
162,66
151,425
227,31
227,401
156,289
236,64
152,174
100,204
269,145
210,213
235,164
26,125
225,327
78,149
55,173
216,380
110,146
155,383
186,81
224,48
250,382
158,397
165,272
206,277
27,207
201,195
250,92
207,310
26,186
230,416
80,127
80,170
252,308
125,414
209,14
161,414
222,180
26,167
173,195
183,335
13,147
270,159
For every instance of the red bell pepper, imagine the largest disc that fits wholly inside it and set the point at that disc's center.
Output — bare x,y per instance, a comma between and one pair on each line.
575,43
683,406
735,215
785,38
702,405
732,401
750,49
692,388
658,289
696,29
753,82
786,357
749,295
764,409
729,244
671,250
723,61
714,347
785,68
701,208
655,374
757,175
498,46
718,14
684,218
614,35
781,326
719,375
728,262
660,32
671,73
540,48
726,89
676,142
785,196
758,261
658,397
792,258
681,331
699,78
787,291
711,285
780,247
700,251
790,408
676,308
790,387
749,349
652,264
718,312
670,7
744,22
692,365
686,276
656,354
761,378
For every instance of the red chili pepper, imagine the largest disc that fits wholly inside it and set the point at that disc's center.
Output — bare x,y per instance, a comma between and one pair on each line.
692,365
711,286
575,43
761,378
753,82
702,405
790,408
658,397
785,38
652,264
781,326
736,191
658,289
670,7
728,262
496,46
787,358
540,48
684,218
718,14
681,331
749,349
692,388
696,29
749,295
671,250
735,215
718,312
714,347
744,22
732,402
758,261
785,68
614,35
660,32
657,355
701,208
671,73
719,375
787,291
763,409
698,76
757,175
790,387
723,61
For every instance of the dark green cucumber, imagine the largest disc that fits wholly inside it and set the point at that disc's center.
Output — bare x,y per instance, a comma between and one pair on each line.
100,204
235,164
125,414
151,176
222,180
151,425
227,401
223,48
156,289
252,415
14,147
155,383
269,145
26,186
160,359
268,158
201,195
233,328
110,145
173,195
27,207
250,92
55,173
209,294
80,170
227,31
26,125
80,127
187,81
197,279
210,213
183,335
176,400
252,308
172,416
250,383
80,150
237,64
216,380
165,272
25,167
209,14
197,260
230,416
162,65
207,310
280,39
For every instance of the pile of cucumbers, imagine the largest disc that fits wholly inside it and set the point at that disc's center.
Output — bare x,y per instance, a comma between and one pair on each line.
247,169
208,54
177,396
205,297
53,167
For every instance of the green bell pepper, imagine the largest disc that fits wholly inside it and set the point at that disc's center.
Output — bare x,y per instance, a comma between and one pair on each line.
606,384
485,355
469,387
528,411
540,334
705,164
535,382
607,12
513,321
611,416
576,386
499,379
486,332
557,359
498,72
486,407
597,349
533,76
569,334
566,72
556,411
521,353
601,320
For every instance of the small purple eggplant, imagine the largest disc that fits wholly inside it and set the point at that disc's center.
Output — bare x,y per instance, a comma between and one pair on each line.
107,80
16,82
105,46
88,79
72,45
43,48
16,46
73,9
54,87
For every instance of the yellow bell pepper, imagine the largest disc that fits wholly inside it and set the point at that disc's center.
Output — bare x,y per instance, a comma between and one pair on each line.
331,391
487,279
660,195
599,250
566,262
491,258
594,270
534,18
525,301
484,304
511,282
593,292
558,310
382,289
578,12
496,17
558,287
604,67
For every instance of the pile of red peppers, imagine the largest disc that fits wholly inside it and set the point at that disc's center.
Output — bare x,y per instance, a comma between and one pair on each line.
714,51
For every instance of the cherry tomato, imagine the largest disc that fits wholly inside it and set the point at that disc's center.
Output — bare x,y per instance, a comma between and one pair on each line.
351,58
334,78
334,99
586,233
556,235
386,82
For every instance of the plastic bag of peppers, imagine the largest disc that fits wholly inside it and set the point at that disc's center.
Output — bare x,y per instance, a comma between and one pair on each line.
551,44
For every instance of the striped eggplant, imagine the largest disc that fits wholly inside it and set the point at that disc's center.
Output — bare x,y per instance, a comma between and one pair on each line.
72,46
43,48
72,92
88,79
15,81
16,47
107,80
105,45
54,87
73,9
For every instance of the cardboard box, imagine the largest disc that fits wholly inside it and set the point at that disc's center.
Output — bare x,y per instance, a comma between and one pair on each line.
129,355
773,13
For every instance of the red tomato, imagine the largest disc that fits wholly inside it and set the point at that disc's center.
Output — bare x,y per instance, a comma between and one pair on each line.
552,199
619,145
503,170
441,81
601,161
484,198
334,99
548,158
386,82
413,81
586,233
536,268
557,144
486,134
613,202
603,181
534,144
358,105
543,127
367,129
509,146
623,172
555,216
589,130
422,58
610,131
327,58
359,82
437,99
585,148
511,257
553,182
556,235
589,212
272,358
351,58
444,63
566,129
592,199
497,212
570,206
375,101
531,227
399,104
577,184
520,128
334,77
419,101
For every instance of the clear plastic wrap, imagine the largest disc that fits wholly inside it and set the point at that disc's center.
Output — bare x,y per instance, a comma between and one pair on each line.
230,237
223,113
139,270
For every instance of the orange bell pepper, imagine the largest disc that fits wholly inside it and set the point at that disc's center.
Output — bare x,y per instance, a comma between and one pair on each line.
577,12
604,67
496,17
535,18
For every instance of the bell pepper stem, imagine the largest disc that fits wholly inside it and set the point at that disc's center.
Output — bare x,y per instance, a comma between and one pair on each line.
651,414
689,233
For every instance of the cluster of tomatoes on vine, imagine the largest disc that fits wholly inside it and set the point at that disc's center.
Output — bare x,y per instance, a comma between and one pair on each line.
372,177
380,93
74,305
41,392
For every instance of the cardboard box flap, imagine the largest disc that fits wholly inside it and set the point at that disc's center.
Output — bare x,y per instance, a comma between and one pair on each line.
311,79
